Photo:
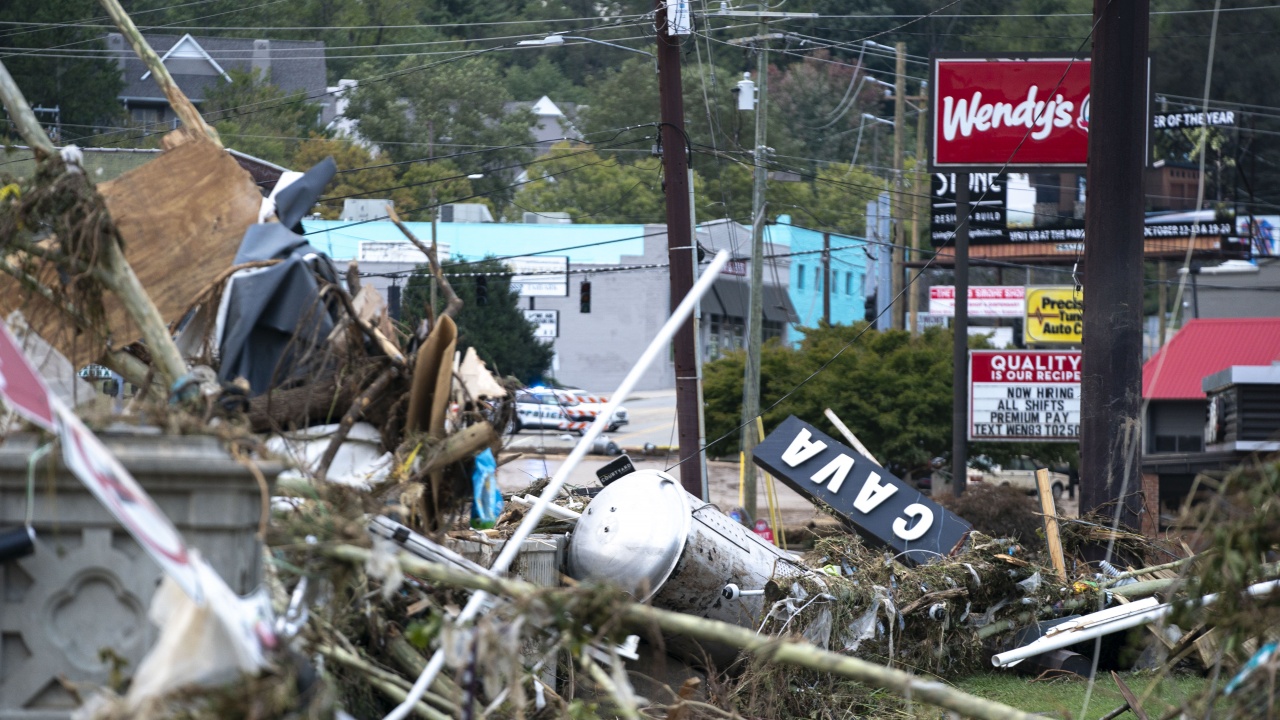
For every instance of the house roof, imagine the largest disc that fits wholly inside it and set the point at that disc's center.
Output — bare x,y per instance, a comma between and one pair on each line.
1204,347
292,65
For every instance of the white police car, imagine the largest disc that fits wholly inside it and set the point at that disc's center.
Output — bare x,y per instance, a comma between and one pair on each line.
541,409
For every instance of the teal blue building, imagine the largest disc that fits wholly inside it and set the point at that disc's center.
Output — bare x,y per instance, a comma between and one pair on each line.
845,288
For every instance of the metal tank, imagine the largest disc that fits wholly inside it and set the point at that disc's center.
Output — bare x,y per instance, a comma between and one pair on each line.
647,536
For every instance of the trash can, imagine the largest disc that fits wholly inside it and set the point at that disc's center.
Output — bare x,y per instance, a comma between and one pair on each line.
85,591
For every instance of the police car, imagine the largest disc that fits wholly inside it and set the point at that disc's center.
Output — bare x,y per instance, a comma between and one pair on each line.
542,410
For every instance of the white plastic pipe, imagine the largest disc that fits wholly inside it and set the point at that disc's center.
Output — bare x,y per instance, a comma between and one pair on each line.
534,516
1106,622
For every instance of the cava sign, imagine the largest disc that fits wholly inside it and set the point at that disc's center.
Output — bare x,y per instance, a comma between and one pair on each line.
881,507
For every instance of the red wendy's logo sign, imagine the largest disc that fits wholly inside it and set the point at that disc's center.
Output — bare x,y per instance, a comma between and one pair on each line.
989,113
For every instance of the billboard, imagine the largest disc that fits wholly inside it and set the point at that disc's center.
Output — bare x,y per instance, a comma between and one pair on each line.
988,208
1024,395
540,275
1000,301
992,113
1055,316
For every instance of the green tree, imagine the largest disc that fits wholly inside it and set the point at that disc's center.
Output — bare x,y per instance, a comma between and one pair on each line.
258,118
415,187
593,189
358,173
82,87
497,329
449,108
894,391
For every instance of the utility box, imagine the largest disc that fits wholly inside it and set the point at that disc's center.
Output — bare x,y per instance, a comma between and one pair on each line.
1243,409
82,597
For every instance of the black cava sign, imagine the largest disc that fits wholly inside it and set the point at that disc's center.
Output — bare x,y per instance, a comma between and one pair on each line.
883,509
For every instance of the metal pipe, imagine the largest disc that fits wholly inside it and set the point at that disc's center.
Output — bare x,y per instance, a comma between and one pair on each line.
534,516
1106,622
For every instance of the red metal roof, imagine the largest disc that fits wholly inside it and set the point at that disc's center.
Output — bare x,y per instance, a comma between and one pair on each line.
1203,347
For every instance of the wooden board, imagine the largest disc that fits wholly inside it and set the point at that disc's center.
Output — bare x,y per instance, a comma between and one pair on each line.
182,217
1051,523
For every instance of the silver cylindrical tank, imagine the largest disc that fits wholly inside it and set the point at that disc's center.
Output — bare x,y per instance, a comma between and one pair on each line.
646,535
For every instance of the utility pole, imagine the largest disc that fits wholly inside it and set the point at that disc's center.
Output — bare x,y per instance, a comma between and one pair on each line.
755,312
1111,378
960,343
675,170
899,213
826,277
1162,299
920,201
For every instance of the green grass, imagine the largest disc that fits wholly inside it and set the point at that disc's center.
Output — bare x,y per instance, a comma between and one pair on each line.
1064,697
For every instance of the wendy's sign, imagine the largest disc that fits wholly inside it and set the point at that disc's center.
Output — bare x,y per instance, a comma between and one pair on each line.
992,113
883,509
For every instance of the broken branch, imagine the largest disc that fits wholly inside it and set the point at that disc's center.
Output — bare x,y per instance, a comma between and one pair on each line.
354,413
452,303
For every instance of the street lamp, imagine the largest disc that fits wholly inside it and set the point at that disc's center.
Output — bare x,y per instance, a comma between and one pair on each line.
557,40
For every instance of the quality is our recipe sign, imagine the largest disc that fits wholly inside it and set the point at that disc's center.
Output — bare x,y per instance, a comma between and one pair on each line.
1021,395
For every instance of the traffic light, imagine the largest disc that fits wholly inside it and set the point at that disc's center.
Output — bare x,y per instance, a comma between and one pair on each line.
482,290
584,296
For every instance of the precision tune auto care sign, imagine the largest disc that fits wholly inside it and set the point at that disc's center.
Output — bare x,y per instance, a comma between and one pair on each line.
1009,112
1024,395
883,508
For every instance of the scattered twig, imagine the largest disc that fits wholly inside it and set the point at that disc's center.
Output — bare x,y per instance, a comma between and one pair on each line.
386,346
624,707
452,303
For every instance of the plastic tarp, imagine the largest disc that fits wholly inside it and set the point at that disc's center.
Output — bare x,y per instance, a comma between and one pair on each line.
274,319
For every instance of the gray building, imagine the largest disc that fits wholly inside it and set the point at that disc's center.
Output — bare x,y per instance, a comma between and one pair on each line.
199,64
1235,290
596,349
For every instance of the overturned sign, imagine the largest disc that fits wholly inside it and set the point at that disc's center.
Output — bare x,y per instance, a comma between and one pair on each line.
882,508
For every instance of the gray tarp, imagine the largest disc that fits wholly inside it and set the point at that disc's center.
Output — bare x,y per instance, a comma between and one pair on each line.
275,320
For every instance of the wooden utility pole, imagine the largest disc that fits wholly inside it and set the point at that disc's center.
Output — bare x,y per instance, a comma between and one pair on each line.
826,277
919,204
675,170
1162,299
897,313
960,346
755,311
1111,379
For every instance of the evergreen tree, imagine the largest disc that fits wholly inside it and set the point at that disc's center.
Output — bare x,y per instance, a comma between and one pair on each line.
490,319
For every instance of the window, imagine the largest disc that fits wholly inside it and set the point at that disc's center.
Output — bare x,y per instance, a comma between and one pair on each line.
800,278
848,283
817,278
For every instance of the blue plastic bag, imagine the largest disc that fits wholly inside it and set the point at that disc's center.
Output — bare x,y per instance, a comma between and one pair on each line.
486,503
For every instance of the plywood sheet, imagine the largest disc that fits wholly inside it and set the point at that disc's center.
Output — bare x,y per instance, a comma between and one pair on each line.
182,217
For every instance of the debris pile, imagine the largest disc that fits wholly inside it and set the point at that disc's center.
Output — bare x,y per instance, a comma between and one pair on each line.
386,588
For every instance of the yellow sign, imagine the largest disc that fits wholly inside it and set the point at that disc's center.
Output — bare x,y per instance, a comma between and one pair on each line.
1055,316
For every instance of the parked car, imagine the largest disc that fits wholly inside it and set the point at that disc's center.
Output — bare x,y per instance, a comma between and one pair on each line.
1020,473
543,410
